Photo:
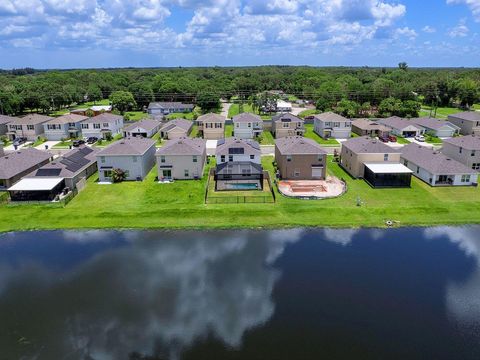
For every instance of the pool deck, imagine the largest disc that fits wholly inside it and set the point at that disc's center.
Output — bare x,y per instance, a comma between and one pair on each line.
319,189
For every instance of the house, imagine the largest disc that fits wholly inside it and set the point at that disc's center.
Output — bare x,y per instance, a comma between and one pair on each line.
165,108
468,122
17,164
247,126
435,168
211,126
175,129
2,152
135,156
401,127
30,127
366,127
64,127
284,106
238,165
67,171
145,128
287,125
436,127
4,121
96,110
300,158
102,126
465,149
182,159
331,125
378,164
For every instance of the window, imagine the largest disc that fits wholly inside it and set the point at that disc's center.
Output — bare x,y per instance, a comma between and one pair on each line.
405,162
105,125
336,124
222,158
460,150
230,158
328,124
473,153
289,158
285,125
30,127
418,169
186,173
96,126
238,125
252,157
84,126
218,125
127,174
195,158
162,159
348,124
102,159
249,125
385,157
296,173
476,166
107,173
134,159
465,178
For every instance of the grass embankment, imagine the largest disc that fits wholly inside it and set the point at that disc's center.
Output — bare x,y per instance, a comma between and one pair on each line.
309,133
442,112
181,205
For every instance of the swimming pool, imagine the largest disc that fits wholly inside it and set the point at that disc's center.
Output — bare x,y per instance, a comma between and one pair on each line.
242,186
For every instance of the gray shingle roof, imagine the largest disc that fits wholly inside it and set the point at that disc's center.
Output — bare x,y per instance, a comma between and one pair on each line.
367,145
4,119
467,115
147,124
105,117
250,147
31,119
366,124
434,161
20,161
181,123
469,142
330,117
246,118
287,116
183,146
432,123
396,122
297,145
128,146
170,105
211,117
68,118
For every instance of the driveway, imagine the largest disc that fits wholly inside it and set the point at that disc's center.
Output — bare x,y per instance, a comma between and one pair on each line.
49,144
225,109
11,148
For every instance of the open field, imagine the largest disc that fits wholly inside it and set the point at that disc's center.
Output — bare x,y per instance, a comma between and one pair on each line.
181,205
442,112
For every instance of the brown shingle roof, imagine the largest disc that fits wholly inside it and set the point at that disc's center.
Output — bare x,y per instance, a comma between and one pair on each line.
181,123
366,124
211,117
68,118
20,161
128,146
367,145
246,118
31,119
469,142
4,119
330,117
396,122
297,145
183,146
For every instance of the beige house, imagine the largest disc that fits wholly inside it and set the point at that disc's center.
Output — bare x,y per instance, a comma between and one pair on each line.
175,129
287,125
182,159
211,126
30,127
468,122
300,158
364,127
464,149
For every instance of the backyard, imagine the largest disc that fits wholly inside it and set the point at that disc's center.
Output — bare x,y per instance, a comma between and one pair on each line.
309,133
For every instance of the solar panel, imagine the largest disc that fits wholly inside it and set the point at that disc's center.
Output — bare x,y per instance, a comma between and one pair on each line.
236,151
48,172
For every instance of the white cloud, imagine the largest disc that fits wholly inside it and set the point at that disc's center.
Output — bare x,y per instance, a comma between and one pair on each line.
461,30
428,29
474,6
405,32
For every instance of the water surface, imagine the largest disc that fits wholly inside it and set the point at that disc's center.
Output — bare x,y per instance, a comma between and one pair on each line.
293,294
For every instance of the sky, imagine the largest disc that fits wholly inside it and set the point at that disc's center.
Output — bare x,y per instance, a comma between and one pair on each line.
158,33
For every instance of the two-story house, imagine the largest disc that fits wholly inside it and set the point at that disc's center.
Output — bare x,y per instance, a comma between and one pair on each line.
247,126
4,121
103,125
182,159
468,122
29,127
64,127
287,125
464,149
331,125
211,126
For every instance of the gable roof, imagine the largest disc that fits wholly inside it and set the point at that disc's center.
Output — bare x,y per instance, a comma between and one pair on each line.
432,123
366,124
169,105
234,146
434,161
180,123
398,123
20,161
146,124
104,117
68,165
211,117
469,142
246,118
330,117
67,118
297,145
286,117
467,116
183,146
4,119
31,119
367,145
128,146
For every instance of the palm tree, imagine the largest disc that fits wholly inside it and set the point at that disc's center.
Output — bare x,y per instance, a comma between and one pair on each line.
118,175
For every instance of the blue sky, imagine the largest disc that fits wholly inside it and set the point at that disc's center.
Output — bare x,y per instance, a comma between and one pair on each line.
114,33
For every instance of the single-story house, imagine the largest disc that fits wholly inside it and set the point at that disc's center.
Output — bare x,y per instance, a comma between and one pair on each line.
366,127
177,128
211,126
30,127
435,168
464,149
401,127
102,125
96,110
4,121
467,121
165,108
64,127
331,125
135,156
182,159
300,158
436,127
247,126
284,106
15,165
287,125
378,164
145,128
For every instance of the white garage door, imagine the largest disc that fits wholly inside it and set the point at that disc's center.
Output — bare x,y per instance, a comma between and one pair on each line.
317,172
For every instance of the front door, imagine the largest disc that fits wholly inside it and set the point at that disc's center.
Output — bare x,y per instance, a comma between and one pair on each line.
167,174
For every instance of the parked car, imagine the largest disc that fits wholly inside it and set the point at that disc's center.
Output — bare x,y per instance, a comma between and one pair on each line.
92,140
77,143
420,138
392,138
19,141
384,138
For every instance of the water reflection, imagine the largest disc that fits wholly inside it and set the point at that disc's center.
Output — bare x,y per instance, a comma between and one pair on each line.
150,297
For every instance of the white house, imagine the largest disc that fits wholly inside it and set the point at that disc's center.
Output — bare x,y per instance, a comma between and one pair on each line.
247,126
401,127
145,128
331,125
238,150
102,125
64,127
436,127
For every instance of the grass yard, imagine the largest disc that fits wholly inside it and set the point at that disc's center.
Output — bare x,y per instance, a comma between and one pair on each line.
104,143
136,115
442,112
309,112
309,133
194,132
267,138
402,140
476,107
228,131
235,110
188,116
433,140
63,144
181,205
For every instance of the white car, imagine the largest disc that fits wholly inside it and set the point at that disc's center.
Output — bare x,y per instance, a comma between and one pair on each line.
420,138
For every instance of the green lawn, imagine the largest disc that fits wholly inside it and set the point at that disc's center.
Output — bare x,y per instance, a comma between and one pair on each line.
63,145
402,140
442,112
476,107
181,205
309,133
433,140
235,110
38,142
309,112
188,116
228,131
104,143
136,115
194,132
267,138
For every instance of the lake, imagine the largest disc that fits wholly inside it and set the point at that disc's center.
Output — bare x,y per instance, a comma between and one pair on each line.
408,293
